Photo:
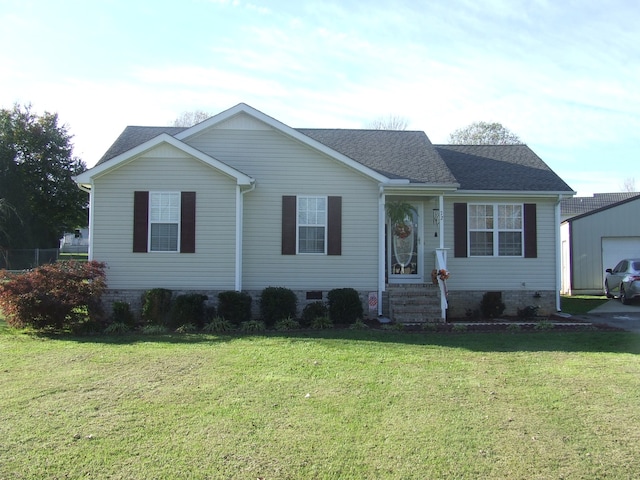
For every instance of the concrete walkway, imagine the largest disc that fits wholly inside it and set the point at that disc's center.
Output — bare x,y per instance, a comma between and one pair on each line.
616,314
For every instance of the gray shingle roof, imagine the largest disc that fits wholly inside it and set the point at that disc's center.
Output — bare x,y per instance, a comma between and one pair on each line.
579,205
133,136
500,167
394,153
410,155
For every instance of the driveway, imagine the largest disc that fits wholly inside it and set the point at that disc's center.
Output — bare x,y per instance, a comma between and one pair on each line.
616,314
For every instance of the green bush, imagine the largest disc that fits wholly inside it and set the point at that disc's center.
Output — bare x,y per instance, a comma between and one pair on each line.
117,328
154,330
186,328
234,306
217,325
286,324
345,306
122,314
59,296
156,306
492,305
277,303
312,311
253,326
188,309
322,323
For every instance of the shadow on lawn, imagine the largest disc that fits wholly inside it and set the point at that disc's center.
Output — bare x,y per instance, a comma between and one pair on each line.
526,341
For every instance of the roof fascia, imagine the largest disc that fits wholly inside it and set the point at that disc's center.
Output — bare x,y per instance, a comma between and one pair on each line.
86,177
513,193
395,188
286,130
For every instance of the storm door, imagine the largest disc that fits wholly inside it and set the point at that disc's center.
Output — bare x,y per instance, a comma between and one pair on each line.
405,250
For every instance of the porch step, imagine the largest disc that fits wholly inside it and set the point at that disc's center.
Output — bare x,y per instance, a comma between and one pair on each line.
414,303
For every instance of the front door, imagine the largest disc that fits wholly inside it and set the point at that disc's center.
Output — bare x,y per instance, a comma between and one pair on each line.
405,250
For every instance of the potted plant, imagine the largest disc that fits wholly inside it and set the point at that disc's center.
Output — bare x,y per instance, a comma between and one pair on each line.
398,213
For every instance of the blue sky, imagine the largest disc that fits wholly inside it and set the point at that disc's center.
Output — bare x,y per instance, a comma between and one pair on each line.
564,75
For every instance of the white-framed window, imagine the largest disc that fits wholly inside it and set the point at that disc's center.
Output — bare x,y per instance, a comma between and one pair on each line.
164,221
496,230
312,224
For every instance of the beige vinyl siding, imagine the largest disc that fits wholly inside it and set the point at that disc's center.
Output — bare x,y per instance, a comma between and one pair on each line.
283,166
166,169
506,273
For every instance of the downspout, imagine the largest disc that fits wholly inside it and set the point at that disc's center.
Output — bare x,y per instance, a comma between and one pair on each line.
89,190
381,247
558,253
239,229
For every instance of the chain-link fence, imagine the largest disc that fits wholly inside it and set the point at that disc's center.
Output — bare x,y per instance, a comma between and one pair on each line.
28,258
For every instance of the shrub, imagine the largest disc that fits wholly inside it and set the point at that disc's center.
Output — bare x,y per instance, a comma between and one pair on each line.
122,314
344,305
528,312
320,323
359,325
492,305
188,309
117,328
217,325
156,305
312,311
186,328
252,326
234,306
154,330
277,303
58,296
287,324
544,325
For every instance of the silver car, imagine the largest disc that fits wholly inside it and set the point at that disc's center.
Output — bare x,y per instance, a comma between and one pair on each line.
623,281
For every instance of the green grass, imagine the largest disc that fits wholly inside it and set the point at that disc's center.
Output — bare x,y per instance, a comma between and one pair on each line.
581,304
329,405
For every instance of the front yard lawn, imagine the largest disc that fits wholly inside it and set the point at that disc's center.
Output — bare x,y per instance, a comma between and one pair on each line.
329,404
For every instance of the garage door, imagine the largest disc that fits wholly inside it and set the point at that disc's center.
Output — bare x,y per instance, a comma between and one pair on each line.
615,249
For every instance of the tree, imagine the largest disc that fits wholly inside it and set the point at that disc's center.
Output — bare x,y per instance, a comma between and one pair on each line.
629,184
189,119
484,133
41,200
390,122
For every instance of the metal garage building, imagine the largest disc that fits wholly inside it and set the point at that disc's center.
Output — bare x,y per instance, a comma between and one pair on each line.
597,240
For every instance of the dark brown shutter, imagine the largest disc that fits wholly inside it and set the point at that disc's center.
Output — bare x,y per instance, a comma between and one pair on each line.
530,231
188,222
334,226
459,229
140,221
288,225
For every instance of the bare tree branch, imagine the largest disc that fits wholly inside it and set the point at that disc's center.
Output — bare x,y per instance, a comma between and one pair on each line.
390,122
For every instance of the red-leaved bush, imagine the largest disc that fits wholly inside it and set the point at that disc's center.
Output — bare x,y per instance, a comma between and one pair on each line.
58,297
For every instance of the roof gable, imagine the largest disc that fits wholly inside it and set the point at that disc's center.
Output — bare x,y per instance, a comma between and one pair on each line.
131,154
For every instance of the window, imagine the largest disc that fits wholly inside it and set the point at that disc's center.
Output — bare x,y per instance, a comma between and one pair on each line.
495,230
164,221
312,224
